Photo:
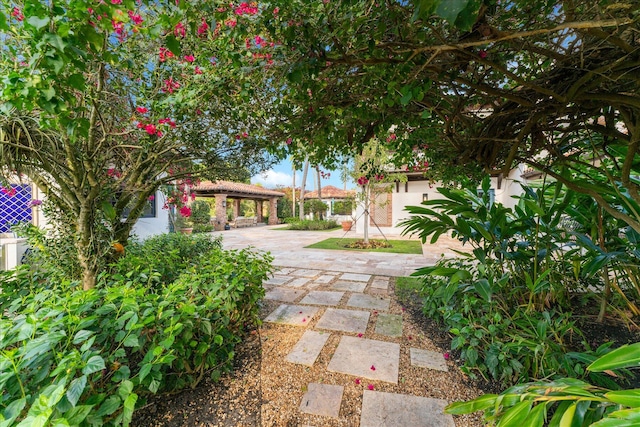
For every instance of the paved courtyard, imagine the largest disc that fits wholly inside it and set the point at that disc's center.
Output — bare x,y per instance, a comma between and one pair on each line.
344,297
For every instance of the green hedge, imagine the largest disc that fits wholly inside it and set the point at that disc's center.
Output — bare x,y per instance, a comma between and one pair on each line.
73,357
308,224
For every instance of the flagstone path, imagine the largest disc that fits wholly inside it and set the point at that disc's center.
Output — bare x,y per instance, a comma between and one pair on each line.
355,310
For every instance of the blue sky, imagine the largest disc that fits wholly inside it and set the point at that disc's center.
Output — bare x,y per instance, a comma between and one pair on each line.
281,174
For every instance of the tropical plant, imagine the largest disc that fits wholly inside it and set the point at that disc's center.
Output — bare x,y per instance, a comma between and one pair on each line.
565,401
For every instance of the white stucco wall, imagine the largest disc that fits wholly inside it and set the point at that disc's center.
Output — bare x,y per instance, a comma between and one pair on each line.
412,195
147,227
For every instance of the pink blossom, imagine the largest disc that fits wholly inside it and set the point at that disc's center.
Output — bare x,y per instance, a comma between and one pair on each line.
245,135
159,134
170,85
17,13
150,129
151,198
373,368
165,54
116,1
231,23
142,110
360,335
258,40
189,58
33,203
245,9
137,19
179,30
357,380
118,27
275,11
446,356
197,70
203,27
363,180
304,320
391,137
185,211
289,141
8,191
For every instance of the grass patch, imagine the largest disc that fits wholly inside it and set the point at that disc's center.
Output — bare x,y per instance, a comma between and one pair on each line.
397,246
287,228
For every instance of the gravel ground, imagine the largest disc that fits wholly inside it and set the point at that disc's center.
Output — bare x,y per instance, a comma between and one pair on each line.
264,390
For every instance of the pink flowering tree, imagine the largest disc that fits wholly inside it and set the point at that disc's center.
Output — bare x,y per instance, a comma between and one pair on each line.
103,102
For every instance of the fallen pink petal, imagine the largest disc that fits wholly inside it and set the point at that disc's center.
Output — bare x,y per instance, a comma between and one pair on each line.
446,356
359,335
373,368
357,380
370,387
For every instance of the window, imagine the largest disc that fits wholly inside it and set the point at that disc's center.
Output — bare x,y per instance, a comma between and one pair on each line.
149,210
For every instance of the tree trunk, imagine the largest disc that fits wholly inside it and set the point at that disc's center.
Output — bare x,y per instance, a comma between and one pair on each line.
365,188
302,185
84,253
293,192
321,214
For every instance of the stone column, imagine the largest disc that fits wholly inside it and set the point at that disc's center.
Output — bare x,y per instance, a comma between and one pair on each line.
273,211
259,211
221,211
236,208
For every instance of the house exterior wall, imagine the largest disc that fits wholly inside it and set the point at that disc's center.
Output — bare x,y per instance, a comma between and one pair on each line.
411,194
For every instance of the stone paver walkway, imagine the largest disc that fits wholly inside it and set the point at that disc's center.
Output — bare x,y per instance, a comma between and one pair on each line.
350,313
344,295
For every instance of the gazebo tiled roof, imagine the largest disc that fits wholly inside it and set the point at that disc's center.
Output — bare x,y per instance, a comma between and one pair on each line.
234,189
330,192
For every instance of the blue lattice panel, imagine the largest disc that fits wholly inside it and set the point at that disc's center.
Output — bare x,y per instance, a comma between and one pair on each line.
15,208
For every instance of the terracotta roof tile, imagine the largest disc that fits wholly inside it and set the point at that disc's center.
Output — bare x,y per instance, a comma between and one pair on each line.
330,192
235,187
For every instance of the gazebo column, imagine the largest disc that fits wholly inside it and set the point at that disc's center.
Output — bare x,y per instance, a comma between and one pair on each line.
258,211
221,211
273,211
236,208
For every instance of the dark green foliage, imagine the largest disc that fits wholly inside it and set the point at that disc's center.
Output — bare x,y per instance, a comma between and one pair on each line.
343,207
506,302
164,257
200,213
74,357
309,224
316,207
203,228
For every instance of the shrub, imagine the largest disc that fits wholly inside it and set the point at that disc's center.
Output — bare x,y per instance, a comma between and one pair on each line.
83,358
291,219
200,213
308,224
164,257
203,228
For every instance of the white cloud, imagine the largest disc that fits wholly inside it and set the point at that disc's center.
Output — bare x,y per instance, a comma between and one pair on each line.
271,179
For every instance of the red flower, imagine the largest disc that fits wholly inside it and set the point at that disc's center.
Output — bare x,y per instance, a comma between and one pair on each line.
359,335
363,180
185,211
137,19
357,381
373,368
142,110
170,85
8,191
197,70
189,58
446,356
370,387
118,27
275,11
151,198
165,54
116,1
482,54
258,40
17,13
150,129
203,28
179,30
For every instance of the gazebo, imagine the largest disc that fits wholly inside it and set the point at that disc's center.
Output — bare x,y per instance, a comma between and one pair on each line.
223,190
331,194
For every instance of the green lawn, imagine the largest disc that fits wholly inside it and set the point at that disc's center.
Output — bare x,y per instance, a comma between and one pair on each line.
397,246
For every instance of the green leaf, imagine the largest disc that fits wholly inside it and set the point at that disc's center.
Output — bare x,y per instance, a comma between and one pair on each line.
109,406
109,211
125,389
129,406
536,416
483,288
82,336
37,22
3,22
94,364
516,415
629,398
55,41
173,45
144,371
478,404
76,415
131,341
627,356
13,410
76,81
76,388
218,339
